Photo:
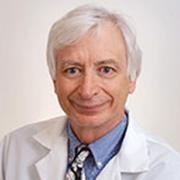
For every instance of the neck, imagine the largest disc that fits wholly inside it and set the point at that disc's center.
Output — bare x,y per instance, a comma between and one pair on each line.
87,135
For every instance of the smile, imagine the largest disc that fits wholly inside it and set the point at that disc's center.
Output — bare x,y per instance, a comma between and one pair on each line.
90,109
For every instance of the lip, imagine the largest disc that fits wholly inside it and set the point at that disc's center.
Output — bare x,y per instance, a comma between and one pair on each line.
90,109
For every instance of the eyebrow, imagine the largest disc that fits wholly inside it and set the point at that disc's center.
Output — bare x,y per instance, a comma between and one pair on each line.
68,62
108,61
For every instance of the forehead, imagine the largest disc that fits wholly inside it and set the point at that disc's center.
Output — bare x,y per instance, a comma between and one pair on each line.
103,42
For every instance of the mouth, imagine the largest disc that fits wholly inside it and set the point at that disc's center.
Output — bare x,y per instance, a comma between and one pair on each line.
90,109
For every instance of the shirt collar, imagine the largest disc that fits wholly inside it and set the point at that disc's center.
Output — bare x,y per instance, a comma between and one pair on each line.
108,145
72,144
102,148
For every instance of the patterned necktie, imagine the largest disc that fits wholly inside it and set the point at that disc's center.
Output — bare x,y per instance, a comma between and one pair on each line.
75,170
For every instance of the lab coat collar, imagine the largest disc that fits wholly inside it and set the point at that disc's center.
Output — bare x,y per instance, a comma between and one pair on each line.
55,131
53,138
133,156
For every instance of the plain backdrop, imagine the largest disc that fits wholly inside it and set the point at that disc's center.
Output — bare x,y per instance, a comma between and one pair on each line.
26,90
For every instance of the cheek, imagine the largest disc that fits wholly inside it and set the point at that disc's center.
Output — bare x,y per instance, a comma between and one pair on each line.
119,90
64,89
62,92
61,89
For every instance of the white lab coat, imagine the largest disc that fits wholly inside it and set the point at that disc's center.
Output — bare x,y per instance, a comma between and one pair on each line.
39,152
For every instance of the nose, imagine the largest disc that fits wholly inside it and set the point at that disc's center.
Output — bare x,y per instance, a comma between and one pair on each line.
89,86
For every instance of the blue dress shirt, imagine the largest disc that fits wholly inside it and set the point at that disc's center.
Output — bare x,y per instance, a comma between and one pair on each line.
102,150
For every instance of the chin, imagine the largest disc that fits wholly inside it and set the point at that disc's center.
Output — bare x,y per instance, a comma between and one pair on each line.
88,121
93,121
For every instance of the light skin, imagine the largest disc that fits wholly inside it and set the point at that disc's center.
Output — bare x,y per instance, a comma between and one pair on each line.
92,83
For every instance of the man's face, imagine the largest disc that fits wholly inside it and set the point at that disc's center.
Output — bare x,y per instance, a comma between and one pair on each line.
91,83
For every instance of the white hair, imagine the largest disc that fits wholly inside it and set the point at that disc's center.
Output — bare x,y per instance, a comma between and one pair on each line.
81,20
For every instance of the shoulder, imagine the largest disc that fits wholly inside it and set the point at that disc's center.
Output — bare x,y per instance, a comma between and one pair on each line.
164,161
24,134
157,148
24,147
161,152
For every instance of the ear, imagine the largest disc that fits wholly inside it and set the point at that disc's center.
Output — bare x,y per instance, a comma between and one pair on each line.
132,86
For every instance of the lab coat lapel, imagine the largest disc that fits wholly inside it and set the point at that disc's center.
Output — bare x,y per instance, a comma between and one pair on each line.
53,164
132,158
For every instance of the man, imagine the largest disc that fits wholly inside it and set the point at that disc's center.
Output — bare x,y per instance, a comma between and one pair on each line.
94,62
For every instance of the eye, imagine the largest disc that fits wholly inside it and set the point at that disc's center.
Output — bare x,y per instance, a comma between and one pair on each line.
106,70
72,71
